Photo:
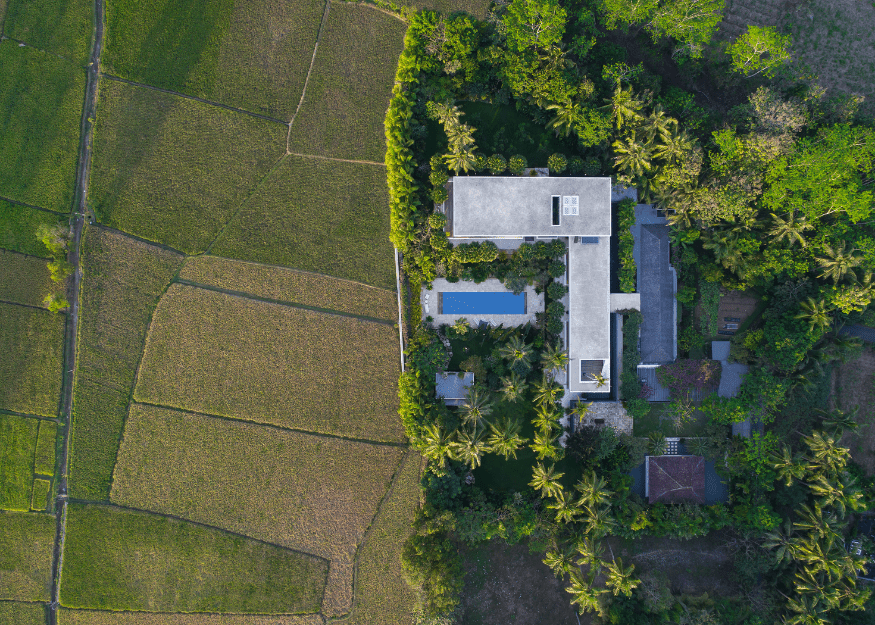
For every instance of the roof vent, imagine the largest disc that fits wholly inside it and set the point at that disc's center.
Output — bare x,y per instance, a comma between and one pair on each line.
570,205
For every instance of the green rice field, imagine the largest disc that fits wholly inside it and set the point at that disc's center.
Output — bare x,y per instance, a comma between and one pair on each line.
17,443
26,541
24,279
18,227
62,27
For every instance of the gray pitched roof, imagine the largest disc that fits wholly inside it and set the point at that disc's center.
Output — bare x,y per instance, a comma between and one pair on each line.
452,385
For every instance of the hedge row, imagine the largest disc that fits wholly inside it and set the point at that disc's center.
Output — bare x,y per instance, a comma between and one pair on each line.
626,219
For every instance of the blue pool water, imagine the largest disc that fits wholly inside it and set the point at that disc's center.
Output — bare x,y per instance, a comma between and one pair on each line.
502,303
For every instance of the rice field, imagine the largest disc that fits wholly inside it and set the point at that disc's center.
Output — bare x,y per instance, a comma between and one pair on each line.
17,442
88,617
18,226
350,85
381,594
24,279
317,215
39,498
252,55
290,285
32,345
230,356
311,493
41,96
126,560
16,613
174,170
62,28
44,455
477,8
122,282
26,541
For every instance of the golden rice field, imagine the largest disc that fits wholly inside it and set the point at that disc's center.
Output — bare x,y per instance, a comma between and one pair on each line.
290,285
24,279
26,541
89,617
381,594
311,493
230,356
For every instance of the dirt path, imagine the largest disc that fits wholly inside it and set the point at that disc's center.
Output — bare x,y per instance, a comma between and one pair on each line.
78,221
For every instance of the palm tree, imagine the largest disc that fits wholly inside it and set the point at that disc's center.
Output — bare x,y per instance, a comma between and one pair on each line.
598,520
816,312
838,262
808,611
593,489
567,115
788,466
590,553
469,447
583,595
546,480
697,446
462,160
460,137
546,418
632,156
554,358
600,380
516,350
513,387
580,409
827,455
505,438
839,421
658,123
565,506
812,520
790,228
830,494
620,579
561,561
656,444
623,107
547,392
673,145
477,408
546,445
436,444
782,542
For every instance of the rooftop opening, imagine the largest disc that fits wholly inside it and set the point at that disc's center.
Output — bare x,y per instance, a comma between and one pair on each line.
571,205
589,369
555,210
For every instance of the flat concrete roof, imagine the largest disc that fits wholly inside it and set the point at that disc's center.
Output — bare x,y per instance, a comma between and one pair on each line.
589,310
514,206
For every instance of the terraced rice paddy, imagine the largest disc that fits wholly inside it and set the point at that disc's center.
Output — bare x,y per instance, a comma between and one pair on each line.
18,227
289,285
23,279
311,493
26,541
230,356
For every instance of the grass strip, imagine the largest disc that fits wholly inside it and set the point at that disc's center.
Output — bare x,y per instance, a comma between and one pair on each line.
24,279
17,442
317,215
350,85
44,458
26,541
39,499
230,356
174,170
125,560
62,28
32,344
41,98
311,493
18,226
122,282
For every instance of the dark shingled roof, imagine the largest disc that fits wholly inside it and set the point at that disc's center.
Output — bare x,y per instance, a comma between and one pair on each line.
658,303
672,479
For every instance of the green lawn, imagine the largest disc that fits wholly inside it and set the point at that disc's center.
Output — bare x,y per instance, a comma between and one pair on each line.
26,541
41,96
17,442
32,344
123,280
62,27
18,226
119,559
253,55
174,170
652,423
350,86
24,279
317,215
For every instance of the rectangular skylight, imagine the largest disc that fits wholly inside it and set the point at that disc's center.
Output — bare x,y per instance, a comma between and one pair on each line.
571,205
556,210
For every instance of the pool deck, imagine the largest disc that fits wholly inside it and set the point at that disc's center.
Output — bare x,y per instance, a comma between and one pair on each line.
534,303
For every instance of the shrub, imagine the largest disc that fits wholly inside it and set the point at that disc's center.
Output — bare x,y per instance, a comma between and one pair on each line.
439,195
576,165
496,164
555,310
710,301
55,302
481,163
628,270
638,407
437,221
516,164
557,163
556,269
683,376
554,326
438,178
686,295
592,167
556,290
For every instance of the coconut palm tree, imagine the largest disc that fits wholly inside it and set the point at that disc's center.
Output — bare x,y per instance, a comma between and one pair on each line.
580,409
516,350
566,118
829,494
838,262
658,123
546,445
513,387
546,480
460,137
583,595
623,107
436,444
504,438
598,520
812,520
827,456
789,467
590,553
632,156
547,392
560,561
782,541
600,380
840,421
656,444
554,358
565,506
546,419
620,579
477,408
816,312
807,610
469,447
462,160
790,228
593,489
673,145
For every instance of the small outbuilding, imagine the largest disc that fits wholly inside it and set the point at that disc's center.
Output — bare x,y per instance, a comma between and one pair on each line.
453,386
675,479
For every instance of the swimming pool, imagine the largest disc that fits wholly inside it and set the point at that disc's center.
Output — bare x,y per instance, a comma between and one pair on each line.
478,303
